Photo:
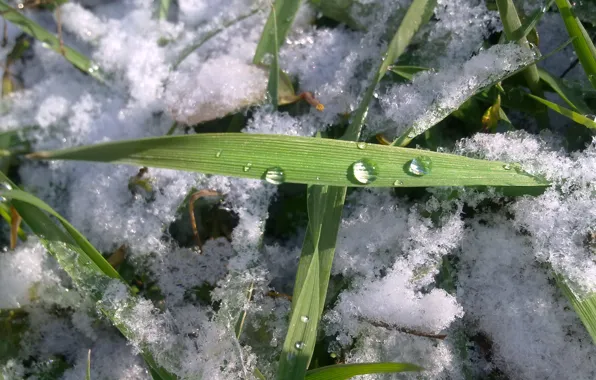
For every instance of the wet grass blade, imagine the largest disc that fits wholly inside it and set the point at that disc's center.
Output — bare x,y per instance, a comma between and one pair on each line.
285,11
417,15
578,118
83,263
567,94
585,307
293,159
346,371
583,45
50,40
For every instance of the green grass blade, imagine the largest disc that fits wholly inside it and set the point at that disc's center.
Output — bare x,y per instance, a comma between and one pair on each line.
407,72
303,160
530,23
164,8
273,83
578,118
285,11
338,10
583,45
346,371
585,307
42,35
88,373
567,94
417,15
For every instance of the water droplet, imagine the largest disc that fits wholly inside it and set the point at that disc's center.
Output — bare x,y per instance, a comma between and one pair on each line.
364,171
275,175
5,186
218,154
398,183
507,167
535,50
361,145
420,166
20,5
93,68
246,167
299,345
305,318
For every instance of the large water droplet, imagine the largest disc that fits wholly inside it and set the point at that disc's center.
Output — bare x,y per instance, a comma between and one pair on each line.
299,345
305,318
246,167
420,166
275,175
364,171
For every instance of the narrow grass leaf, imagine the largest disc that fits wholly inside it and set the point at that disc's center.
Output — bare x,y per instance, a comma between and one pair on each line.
83,263
298,159
273,83
585,307
407,72
566,93
88,372
50,40
285,11
164,8
347,371
583,45
417,15
530,23
578,118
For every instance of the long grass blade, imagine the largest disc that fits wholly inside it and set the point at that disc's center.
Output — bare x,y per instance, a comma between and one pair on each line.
417,15
346,371
296,160
585,307
578,118
285,11
338,10
88,371
273,83
567,94
583,45
50,40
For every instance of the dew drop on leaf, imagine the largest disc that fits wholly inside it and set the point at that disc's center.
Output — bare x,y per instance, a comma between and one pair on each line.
275,175
364,171
304,318
246,167
361,145
420,166
299,345
218,154
398,183
507,167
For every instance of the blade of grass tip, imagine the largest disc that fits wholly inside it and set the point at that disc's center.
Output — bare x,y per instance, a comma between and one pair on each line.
580,119
50,40
259,375
512,23
530,23
285,12
164,8
273,84
583,45
567,94
417,15
303,160
585,307
346,371
88,374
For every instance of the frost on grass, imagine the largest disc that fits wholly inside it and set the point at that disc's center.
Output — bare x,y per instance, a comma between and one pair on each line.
432,96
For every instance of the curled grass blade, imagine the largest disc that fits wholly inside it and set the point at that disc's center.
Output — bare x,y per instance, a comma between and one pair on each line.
567,94
303,160
583,45
50,40
417,15
285,11
347,371
578,118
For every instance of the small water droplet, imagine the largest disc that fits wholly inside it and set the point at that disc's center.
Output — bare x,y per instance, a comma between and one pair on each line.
299,345
275,175
364,171
5,186
507,167
398,183
93,68
535,50
218,154
420,166
305,318
318,178
361,145
246,167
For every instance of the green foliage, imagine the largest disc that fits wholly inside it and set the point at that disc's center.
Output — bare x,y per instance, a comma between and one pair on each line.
347,371
276,28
